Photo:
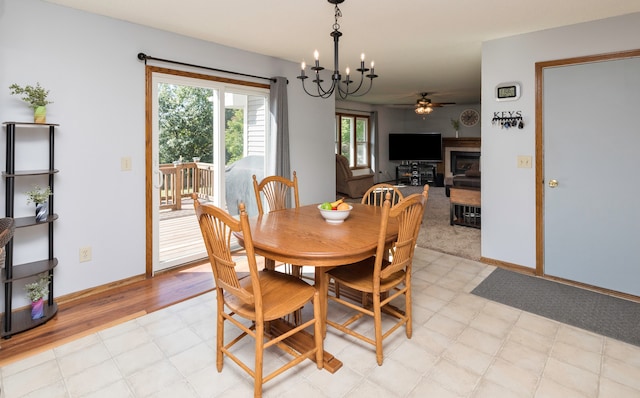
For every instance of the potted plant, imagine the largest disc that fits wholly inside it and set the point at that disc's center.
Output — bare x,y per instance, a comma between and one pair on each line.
40,197
36,97
455,123
36,292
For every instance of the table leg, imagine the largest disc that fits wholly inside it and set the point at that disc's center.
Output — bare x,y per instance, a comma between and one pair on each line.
323,289
269,264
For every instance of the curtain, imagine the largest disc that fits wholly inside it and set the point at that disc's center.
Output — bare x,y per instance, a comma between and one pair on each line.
374,145
279,164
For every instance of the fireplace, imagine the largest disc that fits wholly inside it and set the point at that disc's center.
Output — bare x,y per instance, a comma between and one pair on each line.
449,145
461,161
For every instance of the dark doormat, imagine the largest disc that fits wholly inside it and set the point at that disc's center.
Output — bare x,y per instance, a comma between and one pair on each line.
606,315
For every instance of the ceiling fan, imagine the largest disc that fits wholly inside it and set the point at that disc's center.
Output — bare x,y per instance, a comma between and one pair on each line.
424,106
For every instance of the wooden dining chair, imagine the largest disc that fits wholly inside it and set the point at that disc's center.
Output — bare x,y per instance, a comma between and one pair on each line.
375,195
260,297
385,278
276,190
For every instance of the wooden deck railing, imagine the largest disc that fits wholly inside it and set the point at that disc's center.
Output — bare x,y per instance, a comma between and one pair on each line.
181,180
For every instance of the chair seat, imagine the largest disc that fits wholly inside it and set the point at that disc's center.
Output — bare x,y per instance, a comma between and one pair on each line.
280,293
359,276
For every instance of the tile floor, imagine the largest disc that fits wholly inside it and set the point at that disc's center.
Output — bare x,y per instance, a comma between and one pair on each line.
462,346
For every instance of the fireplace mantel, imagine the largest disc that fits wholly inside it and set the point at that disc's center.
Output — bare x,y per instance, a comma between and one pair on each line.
470,144
461,142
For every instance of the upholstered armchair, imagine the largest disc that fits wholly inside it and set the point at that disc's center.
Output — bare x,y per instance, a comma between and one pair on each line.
351,185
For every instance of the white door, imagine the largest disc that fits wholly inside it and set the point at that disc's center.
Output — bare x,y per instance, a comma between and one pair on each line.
591,139
237,121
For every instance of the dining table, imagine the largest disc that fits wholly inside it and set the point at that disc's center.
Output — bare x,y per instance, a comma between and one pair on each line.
301,236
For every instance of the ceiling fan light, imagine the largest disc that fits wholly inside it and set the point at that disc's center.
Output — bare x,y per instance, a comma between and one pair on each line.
424,110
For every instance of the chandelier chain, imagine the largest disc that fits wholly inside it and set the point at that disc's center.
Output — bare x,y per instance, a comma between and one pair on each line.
338,14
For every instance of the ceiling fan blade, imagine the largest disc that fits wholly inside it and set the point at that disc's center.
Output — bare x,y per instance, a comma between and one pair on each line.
423,102
441,104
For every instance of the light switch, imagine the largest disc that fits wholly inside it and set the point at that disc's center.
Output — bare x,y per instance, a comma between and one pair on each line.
125,163
524,162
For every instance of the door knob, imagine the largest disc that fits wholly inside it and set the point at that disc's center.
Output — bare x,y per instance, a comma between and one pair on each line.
553,183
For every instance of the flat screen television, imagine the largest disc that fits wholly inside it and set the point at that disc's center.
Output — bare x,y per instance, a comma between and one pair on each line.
423,147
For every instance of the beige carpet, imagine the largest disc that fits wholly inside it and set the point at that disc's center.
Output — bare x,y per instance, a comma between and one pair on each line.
437,234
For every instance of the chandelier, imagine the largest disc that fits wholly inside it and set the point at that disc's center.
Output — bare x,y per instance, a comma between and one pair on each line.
345,87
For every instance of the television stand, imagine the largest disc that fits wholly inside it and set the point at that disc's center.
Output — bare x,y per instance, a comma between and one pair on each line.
416,173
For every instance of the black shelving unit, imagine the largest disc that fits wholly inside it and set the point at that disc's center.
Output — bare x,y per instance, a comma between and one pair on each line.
16,321
416,174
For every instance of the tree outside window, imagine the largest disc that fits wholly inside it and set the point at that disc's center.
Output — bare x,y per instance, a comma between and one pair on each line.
185,115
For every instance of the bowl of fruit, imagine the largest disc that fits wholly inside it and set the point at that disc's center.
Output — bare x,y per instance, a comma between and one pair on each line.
335,212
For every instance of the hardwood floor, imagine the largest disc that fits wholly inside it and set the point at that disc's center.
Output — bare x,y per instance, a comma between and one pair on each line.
179,236
80,317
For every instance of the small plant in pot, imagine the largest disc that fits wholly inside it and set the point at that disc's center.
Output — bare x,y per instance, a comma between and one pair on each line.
40,197
36,292
36,97
455,123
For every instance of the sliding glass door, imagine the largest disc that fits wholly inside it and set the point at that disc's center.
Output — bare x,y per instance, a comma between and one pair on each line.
207,138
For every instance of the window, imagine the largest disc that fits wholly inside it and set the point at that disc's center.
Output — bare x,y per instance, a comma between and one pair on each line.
352,139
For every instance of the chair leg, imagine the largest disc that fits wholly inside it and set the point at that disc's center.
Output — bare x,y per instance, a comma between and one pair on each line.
317,331
407,310
220,336
377,323
257,389
296,270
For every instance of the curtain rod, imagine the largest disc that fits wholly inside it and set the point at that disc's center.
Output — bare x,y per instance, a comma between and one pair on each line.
144,57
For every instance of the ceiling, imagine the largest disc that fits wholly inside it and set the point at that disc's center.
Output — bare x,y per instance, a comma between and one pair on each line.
418,46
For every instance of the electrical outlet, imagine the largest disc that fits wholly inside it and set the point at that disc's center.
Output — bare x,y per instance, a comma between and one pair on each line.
524,162
125,163
85,254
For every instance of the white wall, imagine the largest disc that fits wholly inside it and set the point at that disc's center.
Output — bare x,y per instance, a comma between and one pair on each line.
97,84
508,192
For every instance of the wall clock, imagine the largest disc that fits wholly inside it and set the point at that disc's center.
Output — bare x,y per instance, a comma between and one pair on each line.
469,117
507,91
